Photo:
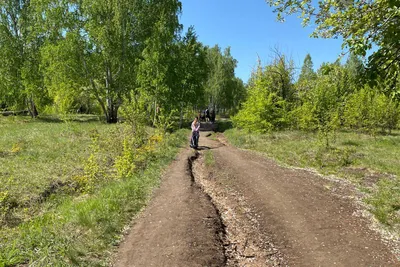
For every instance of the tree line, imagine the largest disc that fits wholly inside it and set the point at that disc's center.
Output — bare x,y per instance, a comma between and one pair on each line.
96,56
362,94
336,96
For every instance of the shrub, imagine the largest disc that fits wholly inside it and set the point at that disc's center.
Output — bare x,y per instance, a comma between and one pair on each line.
319,110
262,113
370,111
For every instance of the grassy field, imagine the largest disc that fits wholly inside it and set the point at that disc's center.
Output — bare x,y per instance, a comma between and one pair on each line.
67,189
372,163
36,154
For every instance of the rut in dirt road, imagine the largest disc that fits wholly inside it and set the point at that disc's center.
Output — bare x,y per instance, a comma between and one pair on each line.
242,209
290,217
180,227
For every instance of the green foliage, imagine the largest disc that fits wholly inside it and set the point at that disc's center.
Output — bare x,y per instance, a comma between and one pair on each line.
335,97
371,111
93,172
261,114
63,72
134,112
325,108
165,122
125,164
138,148
222,88
307,71
189,114
107,52
280,73
93,48
91,56
356,71
223,125
190,72
171,76
361,24
264,109
324,102
21,82
154,68
303,117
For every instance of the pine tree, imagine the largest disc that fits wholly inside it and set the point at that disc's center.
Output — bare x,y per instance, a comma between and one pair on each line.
307,71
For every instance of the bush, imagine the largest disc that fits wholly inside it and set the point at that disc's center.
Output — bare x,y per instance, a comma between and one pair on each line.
319,110
303,117
262,113
370,111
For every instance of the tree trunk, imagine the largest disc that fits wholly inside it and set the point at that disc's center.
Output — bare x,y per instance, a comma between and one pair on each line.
112,112
181,117
32,108
155,113
94,87
112,106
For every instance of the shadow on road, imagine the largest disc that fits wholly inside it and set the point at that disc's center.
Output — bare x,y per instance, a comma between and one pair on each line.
223,125
203,148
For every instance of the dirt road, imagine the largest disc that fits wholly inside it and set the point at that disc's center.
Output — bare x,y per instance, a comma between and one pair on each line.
228,207
180,227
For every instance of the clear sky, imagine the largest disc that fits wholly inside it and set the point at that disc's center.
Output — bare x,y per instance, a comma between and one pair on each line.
250,28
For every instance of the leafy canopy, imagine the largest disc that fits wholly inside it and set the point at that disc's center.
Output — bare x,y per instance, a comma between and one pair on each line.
364,26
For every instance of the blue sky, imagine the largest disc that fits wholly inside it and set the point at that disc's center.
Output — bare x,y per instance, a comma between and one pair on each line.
251,29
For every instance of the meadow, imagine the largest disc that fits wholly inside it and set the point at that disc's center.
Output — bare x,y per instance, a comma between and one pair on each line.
76,181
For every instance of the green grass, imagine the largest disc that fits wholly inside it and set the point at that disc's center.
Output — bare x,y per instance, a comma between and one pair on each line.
37,157
71,227
35,154
303,149
209,159
385,202
372,163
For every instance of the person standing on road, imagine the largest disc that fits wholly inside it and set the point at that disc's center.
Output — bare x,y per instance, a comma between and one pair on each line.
213,116
194,141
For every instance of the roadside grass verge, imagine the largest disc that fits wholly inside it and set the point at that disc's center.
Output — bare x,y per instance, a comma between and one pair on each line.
78,225
371,163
